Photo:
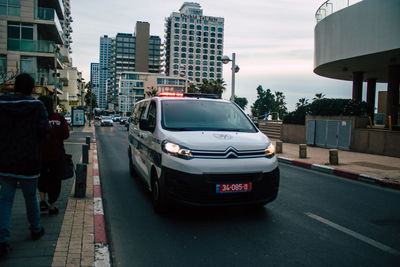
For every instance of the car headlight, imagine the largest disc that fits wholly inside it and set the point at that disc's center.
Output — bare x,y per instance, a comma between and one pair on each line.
176,150
270,151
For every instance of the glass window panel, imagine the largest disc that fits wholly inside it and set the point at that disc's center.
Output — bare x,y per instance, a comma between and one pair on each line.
27,33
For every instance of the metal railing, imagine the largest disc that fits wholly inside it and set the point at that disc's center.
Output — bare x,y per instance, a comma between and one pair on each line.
331,6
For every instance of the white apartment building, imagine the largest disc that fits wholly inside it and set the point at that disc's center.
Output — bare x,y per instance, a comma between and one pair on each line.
194,44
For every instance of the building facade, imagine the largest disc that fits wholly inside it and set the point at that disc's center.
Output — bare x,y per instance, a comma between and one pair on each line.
104,70
194,44
135,86
359,41
38,38
95,79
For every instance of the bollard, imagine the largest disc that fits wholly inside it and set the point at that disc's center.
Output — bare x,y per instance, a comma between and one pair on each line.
85,154
80,180
88,141
279,147
333,157
302,151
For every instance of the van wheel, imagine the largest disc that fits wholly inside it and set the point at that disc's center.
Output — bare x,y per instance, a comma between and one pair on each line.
158,194
132,170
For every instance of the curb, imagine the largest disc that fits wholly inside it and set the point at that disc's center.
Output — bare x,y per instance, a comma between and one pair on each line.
101,249
342,173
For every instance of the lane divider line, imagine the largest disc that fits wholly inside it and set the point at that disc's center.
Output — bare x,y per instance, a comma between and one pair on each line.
358,236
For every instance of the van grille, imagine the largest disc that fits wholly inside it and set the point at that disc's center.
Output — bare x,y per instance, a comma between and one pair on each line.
230,152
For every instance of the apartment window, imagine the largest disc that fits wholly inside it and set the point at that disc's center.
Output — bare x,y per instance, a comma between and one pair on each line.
190,66
198,27
176,60
176,25
191,56
213,29
191,26
197,68
20,30
176,42
176,30
184,31
204,74
183,61
10,7
28,64
190,50
204,68
205,57
206,28
205,45
219,35
198,75
198,62
176,18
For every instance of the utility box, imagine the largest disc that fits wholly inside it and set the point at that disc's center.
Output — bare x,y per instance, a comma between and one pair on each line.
78,116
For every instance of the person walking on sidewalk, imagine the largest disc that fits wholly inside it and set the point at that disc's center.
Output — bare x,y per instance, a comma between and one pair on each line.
52,150
24,123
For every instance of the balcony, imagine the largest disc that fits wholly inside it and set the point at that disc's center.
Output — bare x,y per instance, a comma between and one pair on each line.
49,15
331,6
36,46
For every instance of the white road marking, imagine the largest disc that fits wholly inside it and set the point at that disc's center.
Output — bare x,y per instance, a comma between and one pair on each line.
354,234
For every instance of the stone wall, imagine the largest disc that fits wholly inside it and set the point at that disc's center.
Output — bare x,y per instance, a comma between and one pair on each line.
293,133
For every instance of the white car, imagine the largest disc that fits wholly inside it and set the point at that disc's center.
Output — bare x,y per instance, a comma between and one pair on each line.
106,121
199,151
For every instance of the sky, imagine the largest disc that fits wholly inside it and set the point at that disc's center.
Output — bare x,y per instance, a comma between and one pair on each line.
273,41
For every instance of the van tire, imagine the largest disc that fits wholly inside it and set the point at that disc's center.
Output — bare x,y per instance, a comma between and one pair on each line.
158,195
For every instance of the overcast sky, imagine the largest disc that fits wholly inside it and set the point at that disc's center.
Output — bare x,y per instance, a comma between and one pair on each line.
273,41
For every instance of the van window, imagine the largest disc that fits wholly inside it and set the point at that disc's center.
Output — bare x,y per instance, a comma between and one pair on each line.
152,114
203,115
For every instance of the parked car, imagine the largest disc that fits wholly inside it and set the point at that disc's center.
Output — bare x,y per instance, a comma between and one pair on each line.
68,119
202,152
106,121
97,117
116,117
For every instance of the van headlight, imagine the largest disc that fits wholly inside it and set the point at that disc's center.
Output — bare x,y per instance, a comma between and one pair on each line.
270,151
176,150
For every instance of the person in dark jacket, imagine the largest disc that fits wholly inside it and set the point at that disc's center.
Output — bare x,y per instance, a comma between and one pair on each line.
24,123
52,150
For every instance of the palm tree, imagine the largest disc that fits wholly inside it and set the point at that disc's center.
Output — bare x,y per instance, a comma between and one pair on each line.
302,102
152,91
219,87
318,96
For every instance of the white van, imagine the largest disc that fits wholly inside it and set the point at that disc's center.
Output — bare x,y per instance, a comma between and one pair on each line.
200,151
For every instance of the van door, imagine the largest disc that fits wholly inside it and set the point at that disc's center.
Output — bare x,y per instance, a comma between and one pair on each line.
136,136
148,155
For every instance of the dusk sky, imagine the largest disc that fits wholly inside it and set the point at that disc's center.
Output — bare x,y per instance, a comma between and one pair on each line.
273,41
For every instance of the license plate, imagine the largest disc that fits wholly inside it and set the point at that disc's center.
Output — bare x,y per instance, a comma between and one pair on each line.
233,188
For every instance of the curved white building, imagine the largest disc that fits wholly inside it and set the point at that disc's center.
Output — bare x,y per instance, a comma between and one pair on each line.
359,41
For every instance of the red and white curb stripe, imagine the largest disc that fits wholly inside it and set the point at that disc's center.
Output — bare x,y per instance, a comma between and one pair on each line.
101,249
342,173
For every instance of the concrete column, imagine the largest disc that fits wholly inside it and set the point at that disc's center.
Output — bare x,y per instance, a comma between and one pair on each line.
371,91
392,98
357,85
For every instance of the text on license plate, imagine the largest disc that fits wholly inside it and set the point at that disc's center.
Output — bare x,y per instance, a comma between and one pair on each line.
233,188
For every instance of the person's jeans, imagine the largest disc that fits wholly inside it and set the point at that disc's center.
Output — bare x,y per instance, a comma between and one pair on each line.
7,193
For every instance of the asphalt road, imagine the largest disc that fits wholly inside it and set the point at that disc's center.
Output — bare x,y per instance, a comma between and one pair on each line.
317,220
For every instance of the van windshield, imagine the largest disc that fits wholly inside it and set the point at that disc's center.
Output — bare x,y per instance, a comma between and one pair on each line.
204,115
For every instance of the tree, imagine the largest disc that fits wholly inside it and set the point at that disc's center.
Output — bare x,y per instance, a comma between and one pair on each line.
152,91
216,87
90,96
265,103
318,96
302,102
280,104
192,88
241,101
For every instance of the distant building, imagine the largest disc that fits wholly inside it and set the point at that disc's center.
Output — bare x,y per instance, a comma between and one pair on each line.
95,79
36,39
194,44
361,43
135,85
104,69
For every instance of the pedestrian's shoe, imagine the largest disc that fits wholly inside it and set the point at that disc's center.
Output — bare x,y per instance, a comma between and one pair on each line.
38,235
4,248
53,212
44,206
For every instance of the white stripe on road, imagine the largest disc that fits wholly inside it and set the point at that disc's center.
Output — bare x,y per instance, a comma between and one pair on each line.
96,180
97,206
354,234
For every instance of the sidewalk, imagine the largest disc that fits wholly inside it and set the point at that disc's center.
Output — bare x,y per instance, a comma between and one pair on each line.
69,238
382,168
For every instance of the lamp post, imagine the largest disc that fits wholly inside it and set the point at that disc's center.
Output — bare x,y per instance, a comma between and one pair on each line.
235,69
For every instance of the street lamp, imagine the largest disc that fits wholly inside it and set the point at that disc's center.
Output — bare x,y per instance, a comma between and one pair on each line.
56,50
235,69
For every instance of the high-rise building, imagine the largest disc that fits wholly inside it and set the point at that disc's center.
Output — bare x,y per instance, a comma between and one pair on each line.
194,44
37,41
95,79
104,69
133,52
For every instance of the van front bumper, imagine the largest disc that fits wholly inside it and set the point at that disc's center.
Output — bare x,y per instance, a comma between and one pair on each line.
200,189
